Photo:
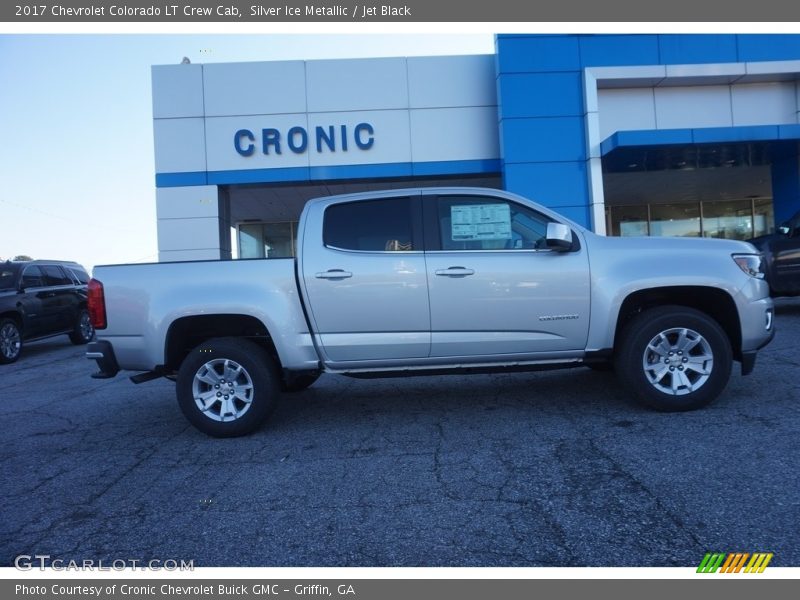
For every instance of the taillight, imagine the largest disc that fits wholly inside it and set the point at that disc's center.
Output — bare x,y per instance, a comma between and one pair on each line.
97,304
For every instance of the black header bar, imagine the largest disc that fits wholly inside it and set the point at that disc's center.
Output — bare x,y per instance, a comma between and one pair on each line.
402,11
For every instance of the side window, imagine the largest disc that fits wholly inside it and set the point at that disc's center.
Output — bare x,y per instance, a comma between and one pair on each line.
53,275
370,226
7,277
32,277
486,223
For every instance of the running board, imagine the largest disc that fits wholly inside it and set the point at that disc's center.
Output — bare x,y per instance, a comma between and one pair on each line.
466,370
148,376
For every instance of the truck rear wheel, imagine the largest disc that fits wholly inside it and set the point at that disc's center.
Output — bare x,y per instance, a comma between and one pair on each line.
674,358
227,387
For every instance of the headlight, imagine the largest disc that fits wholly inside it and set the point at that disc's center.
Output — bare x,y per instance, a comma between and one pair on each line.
752,264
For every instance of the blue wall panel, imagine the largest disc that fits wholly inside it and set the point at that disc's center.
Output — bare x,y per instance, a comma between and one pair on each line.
614,50
526,54
786,186
580,214
550,184
697,48
541,95
546,139
758,47
542,136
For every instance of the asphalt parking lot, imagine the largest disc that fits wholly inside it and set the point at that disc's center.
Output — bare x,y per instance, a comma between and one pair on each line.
538,469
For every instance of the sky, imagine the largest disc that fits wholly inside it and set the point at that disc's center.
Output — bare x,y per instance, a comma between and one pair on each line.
77,175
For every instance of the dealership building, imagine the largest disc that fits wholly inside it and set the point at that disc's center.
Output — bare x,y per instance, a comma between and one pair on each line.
679,135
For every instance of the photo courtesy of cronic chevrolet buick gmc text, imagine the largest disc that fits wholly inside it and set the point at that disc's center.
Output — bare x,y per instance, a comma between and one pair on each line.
432,281
40,299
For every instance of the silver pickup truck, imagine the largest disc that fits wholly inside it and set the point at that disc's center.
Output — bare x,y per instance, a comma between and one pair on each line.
432,281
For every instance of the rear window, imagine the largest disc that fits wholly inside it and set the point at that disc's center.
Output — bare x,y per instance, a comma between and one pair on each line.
79,275
370,226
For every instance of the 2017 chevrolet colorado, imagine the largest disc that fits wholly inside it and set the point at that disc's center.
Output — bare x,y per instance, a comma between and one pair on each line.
438,280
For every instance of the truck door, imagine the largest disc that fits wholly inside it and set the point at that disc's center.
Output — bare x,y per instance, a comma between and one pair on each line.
365,279
494,287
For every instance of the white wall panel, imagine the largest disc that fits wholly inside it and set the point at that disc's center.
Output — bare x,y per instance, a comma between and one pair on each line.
184,255
443,81
626,109
392,142
179,145
455,97
764,103
222,155
177,91
190,201
454,134
188,234
690,107
255,88
362,84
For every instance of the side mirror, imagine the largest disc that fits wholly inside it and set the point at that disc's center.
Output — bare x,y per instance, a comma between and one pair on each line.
784,229
559,237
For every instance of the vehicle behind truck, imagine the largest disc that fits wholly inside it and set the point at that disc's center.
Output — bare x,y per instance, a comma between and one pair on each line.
781,251
434,281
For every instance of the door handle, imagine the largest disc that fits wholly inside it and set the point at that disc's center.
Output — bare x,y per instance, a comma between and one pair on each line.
454,272
334,274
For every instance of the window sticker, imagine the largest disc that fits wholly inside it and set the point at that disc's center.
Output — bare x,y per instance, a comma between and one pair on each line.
471,222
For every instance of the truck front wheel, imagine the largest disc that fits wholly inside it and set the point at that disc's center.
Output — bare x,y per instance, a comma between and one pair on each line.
674,358
227,387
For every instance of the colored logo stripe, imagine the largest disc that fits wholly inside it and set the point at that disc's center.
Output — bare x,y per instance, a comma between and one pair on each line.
758,563
710,562
733,562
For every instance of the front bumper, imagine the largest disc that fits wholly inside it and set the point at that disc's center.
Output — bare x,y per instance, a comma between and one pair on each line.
103,353
758,329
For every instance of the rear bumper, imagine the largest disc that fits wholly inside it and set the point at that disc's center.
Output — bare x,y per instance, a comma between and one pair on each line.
102,352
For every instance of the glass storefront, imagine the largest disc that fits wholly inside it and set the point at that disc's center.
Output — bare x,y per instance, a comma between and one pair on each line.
729,219
675,220
268,240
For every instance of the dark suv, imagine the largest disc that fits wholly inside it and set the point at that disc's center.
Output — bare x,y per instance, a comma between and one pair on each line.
39,299
782,252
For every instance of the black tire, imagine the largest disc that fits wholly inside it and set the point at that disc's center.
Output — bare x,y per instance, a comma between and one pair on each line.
83,332
663,358
298,384
10,341
243,410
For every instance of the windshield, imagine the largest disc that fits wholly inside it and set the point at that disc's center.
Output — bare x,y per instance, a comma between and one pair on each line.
8,276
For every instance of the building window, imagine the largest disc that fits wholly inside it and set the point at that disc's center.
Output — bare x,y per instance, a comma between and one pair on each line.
268,240
728,219
627,221
675,220
763,217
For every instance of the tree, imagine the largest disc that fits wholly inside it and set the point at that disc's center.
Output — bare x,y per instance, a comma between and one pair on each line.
22,257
